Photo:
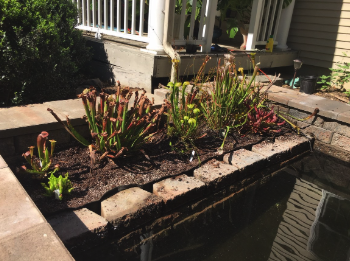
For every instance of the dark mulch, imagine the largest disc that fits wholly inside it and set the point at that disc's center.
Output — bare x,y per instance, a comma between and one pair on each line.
109,176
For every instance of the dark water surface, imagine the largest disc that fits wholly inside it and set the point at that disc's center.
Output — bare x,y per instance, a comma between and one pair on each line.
302,213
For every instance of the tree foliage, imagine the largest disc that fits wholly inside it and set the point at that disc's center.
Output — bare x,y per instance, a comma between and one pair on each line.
40,51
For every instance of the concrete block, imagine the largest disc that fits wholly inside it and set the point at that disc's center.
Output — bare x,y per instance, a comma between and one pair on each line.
177,190
216,174
131,207
246,161
17,211
296,144
330,125
319,133
72,108
39,243
162,93
315,120
343,129
341,141
3,163
274,152
79,227
344,117
7,146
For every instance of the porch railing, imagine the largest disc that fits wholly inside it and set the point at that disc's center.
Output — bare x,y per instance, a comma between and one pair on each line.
264,21
111,17
145,23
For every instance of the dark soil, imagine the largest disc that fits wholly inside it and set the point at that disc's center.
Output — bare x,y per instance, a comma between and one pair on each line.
109,176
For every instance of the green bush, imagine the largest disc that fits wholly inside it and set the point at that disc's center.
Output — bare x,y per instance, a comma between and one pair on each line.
41,53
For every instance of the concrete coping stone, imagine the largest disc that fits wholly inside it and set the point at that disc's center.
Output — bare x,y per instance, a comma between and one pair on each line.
24,232
3,163
131,207
176,190
216,174
75,227
39,243
246,161
308,102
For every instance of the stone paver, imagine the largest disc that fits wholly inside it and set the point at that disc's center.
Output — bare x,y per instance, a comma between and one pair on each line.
39,243
341,141
344,117
179,189
3,163
245,160
74,227
319,133
274,152
296,144
17,211
216,174
129,207
7,146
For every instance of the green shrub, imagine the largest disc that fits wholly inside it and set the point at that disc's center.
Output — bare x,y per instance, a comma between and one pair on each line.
40,51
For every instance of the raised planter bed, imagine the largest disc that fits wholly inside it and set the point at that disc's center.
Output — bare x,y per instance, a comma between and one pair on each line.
246,163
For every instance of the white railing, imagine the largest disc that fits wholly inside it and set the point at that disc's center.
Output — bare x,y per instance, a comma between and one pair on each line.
264,21
111,17
206,20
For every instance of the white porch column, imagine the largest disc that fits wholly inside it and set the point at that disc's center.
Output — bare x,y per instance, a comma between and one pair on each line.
156,25
283,28
210,13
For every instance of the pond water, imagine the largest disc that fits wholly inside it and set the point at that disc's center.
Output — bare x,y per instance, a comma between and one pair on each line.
302,213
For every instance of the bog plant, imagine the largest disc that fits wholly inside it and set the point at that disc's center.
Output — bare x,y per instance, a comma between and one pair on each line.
230,98
114,126
41,163
183,112
262,120
57,186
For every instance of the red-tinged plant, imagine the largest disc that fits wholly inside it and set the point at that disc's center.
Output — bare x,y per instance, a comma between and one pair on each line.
262,120
42,163
114,126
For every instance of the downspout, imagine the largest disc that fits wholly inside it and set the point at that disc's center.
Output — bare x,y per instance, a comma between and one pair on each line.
168,38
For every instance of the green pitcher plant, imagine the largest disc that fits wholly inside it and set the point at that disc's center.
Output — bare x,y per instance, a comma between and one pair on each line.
115,127
41,163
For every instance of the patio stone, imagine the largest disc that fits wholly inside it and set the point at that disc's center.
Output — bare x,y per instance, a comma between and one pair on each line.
296,144
319,133
131,207
216,174
274,152
177,190
17,211
246,161
79,226
39,243
3,163
341,141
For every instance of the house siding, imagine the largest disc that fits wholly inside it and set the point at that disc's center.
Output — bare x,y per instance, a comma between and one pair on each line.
320,31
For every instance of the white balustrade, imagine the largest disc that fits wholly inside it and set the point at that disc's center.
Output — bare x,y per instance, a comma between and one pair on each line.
265,21
105,16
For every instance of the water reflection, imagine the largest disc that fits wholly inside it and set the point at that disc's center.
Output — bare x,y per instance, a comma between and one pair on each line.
302,213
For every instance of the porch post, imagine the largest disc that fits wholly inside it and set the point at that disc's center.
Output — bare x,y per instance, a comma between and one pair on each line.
156,25
283,28
254,26
210,13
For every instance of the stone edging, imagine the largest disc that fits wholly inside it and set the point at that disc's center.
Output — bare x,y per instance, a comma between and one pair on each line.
330,127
